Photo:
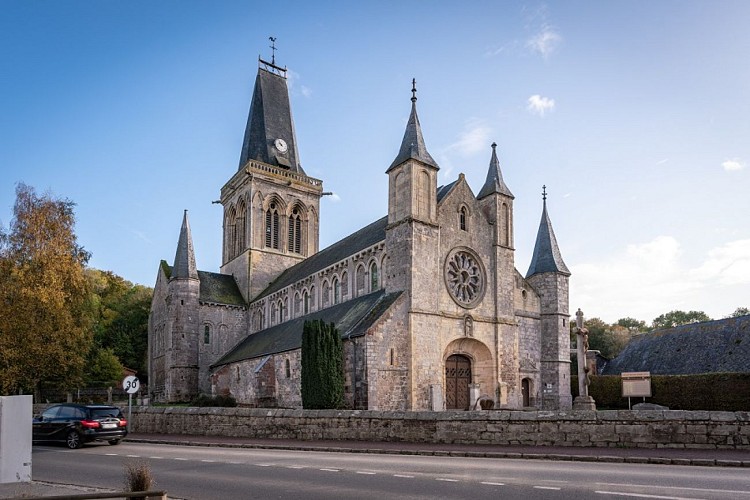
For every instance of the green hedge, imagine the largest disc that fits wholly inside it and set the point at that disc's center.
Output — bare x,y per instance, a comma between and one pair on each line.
709,391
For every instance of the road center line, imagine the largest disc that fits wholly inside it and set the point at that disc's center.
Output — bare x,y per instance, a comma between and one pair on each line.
330,470
365,472
182,459
547,488
446,479
156,458
705,490
643,495
403,475
208,461
490,483
295,466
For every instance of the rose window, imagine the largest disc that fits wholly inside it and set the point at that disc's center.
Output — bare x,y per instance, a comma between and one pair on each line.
464,278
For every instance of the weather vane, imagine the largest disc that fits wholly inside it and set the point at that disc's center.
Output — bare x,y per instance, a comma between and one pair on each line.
273,49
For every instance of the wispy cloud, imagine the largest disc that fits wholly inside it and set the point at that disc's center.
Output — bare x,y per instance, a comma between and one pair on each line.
540,105
662,162
733,165
544,42
474,138
306,91
648,279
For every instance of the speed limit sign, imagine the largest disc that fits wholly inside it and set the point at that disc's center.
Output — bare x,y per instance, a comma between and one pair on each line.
131,384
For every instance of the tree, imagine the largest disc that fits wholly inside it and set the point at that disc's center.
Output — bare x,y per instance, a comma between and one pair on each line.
608,339
45,311
104,367
740,311
632,324
677,318
121,318
322,366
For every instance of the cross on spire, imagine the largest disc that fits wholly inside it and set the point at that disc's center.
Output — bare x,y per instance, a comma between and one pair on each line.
544,193
413,90
273,49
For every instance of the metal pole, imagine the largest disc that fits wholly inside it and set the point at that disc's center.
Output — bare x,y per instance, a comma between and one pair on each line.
130,405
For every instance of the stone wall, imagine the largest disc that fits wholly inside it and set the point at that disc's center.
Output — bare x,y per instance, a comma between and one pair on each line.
620,429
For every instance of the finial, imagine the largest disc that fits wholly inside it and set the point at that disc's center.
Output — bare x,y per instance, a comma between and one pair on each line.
494,145
273,49
413,90
544,193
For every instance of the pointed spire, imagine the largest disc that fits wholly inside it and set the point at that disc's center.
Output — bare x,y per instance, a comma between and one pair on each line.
494,183
184,259
547,257
412,145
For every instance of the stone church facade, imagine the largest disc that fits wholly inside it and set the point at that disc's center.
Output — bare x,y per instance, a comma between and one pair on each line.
431,309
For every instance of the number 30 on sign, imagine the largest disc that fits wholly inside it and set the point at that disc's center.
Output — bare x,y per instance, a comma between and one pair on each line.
131,384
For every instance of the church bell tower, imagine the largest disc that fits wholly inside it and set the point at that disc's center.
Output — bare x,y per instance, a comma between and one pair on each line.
271,206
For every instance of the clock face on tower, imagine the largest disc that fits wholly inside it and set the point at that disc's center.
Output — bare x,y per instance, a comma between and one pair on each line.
280,145
464,277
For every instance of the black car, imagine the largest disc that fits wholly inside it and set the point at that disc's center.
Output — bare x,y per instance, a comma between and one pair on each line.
75,424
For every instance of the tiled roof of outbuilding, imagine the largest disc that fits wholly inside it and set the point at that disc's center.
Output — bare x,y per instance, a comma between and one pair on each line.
351,318
709,347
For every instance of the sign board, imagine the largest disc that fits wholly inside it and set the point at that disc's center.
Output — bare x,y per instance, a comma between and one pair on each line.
131,384
636,384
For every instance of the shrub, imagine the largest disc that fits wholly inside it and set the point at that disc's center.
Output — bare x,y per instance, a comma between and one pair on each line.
221,400
138,477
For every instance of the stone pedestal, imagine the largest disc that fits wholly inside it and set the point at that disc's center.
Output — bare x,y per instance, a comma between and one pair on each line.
581,403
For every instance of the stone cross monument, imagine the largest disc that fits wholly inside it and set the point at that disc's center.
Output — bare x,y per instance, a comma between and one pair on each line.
583,401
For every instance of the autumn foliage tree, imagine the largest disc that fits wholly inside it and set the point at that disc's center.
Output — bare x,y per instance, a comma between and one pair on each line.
45,311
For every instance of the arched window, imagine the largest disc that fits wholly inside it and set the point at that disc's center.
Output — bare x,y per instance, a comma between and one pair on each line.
506,225
313,299
297,304
272,227
273,314
374,278
230,233
282,311
336,291
239,228
295,231
325,299
360,280
344,285
306,302
423,194
206,334
288,368
462,218
285,316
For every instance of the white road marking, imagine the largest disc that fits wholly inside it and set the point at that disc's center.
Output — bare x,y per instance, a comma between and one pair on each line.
111,454
208,461
403,475
446,479
182,459
705,490
547,488
295,466
156,458
133,456
643,495
365,472
330,470
265,465
235,463
490,483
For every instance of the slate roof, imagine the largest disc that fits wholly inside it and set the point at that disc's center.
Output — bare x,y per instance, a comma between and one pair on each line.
270,118
412,145
184,258
214,287
355,242
352,318
709,347
547,257
494,182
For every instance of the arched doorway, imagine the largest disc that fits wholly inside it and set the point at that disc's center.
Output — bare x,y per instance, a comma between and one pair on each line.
457,380
526,392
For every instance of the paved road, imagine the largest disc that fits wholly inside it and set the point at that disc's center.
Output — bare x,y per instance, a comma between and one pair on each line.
196,472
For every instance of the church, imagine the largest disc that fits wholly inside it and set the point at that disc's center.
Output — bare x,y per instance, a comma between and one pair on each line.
432,312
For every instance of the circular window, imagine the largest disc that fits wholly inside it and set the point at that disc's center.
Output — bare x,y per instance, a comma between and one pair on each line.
464,277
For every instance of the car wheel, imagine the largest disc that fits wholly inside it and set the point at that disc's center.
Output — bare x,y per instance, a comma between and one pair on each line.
73,440
114,442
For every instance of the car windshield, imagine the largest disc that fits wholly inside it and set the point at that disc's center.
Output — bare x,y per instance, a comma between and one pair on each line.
100,413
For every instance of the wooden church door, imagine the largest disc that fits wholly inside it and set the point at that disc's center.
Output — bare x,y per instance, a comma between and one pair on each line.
457,380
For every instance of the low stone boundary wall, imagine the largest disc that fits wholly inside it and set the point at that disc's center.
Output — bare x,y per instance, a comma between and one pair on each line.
615,428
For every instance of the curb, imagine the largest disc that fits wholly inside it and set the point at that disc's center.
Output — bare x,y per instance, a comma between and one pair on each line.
702,462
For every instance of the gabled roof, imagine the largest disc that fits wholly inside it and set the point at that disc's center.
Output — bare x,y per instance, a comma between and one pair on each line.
215,288
352,318
412,145
547,257
709,347
364,238
443,191
184,258
270,118
494,182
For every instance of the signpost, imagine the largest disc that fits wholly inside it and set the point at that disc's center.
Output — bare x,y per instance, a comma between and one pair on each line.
130,384
636,385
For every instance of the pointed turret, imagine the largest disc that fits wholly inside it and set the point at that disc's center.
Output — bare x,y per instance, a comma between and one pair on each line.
494,182
269,134
184,259
547,257
412,145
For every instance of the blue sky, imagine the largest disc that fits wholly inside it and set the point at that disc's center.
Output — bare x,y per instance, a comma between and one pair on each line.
635,115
